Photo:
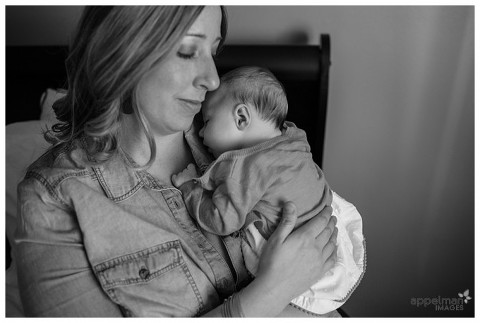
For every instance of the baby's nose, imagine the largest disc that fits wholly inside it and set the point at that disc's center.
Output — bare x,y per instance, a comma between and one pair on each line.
200,133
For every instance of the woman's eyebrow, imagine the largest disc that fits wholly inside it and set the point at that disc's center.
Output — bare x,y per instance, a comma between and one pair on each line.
203,36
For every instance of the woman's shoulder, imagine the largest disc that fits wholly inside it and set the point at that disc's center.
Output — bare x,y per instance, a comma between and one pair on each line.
58,165
60,162
58,172
63,170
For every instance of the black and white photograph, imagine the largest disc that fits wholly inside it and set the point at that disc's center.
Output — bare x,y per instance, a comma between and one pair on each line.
239,160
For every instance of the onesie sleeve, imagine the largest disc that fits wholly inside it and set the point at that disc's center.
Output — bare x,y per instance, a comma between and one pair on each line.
223,210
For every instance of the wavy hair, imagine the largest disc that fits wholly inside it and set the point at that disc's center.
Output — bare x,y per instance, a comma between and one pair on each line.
112,49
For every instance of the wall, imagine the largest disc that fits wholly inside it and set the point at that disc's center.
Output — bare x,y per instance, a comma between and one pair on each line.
40,25
399,141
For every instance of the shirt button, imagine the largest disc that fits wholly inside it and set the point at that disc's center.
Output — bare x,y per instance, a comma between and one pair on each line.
144,273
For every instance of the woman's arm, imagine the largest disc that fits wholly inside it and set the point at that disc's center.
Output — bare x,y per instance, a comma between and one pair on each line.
54,274
290,263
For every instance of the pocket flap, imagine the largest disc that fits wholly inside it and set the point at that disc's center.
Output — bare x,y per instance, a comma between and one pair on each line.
140,266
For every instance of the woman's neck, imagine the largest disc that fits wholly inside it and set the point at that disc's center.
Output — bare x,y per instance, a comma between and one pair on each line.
172,151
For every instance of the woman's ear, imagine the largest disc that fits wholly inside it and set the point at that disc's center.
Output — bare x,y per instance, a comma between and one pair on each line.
242,116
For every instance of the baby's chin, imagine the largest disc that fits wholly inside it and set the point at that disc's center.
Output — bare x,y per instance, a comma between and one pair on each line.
214,153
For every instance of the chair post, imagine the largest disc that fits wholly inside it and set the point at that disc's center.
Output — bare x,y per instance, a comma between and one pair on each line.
325,63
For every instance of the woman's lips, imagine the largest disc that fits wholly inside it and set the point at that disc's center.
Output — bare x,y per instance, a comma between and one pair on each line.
194,105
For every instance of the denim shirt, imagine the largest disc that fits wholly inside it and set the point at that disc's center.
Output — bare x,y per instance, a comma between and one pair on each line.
109,240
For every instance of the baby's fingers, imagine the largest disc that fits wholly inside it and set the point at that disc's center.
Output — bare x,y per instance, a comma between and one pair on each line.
174,179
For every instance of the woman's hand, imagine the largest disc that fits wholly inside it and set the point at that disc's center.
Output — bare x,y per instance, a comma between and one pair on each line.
292,261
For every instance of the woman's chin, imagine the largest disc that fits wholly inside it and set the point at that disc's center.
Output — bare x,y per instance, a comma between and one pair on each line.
183,125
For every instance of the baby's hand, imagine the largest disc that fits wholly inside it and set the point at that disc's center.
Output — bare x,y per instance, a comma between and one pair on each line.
186,175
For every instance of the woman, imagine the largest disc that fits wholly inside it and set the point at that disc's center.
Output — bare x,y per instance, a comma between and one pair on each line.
102,231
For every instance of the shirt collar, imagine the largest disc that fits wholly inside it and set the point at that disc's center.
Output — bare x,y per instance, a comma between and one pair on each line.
120,177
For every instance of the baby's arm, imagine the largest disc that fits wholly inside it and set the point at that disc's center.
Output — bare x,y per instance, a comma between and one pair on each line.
221,211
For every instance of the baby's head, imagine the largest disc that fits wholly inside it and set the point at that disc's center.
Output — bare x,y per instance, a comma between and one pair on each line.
249,107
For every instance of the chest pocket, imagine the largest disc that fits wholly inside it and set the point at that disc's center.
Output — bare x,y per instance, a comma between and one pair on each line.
152,282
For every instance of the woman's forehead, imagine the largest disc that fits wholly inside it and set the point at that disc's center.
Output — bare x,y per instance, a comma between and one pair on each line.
207,25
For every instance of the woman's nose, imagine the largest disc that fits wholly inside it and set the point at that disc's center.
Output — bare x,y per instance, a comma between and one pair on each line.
208,77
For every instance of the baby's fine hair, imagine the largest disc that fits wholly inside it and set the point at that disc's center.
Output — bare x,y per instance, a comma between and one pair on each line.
258,86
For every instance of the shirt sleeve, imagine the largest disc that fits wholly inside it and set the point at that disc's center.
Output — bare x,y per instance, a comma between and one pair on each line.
224,210
54,274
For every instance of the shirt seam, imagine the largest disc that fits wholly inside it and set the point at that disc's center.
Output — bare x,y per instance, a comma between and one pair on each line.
51,190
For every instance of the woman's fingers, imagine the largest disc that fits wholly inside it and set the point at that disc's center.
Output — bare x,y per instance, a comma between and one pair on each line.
333,237
316,225
289,218
292,261
330,262
325,236
332,222
330,246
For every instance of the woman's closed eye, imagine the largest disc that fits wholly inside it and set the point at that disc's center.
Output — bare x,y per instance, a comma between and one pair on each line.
193,55
187,55
188,51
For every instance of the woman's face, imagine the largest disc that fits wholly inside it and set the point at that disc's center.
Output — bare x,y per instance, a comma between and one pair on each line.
172,93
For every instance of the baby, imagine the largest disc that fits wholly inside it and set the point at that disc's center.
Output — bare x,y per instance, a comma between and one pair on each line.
263,161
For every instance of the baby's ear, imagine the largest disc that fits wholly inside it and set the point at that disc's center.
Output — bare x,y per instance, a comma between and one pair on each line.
242,116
